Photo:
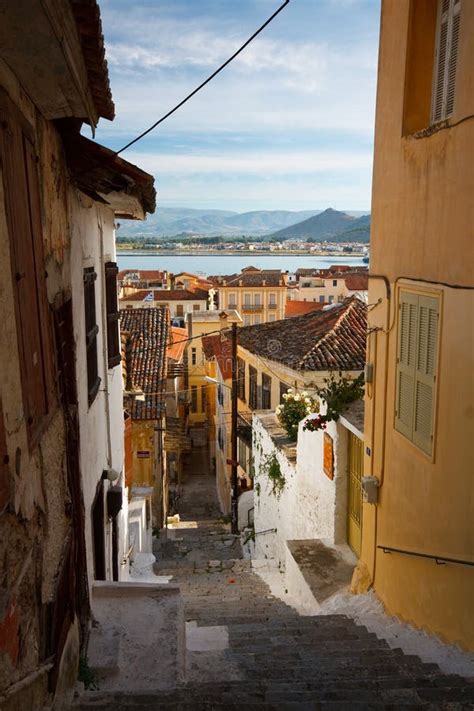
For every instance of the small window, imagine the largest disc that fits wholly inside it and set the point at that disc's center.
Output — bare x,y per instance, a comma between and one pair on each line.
416,368
444,70
330,299
92,329
193,356
272,299
241,379
257,320
247,299
321,299
196,307
253,390
113,338
266,391
334,282
194,398
232,301
272,317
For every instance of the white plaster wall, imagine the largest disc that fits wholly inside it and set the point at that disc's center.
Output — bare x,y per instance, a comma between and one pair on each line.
311,505
101,424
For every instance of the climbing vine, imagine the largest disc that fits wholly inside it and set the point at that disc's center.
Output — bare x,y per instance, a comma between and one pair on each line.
271,468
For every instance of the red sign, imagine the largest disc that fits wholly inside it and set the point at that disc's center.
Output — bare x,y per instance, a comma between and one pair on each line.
328,456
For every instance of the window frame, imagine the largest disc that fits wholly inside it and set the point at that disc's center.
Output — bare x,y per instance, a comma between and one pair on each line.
451,18
422,299
113,315
241,379
91,330
266,391
253,388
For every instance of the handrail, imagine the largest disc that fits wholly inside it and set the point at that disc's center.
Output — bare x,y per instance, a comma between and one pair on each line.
440,560
267,530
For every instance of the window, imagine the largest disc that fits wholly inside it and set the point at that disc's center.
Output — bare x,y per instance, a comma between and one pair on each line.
241,379
330,299
334,282
194,398
247,320
416,368
113,338
92,329
196,307
321,299
232,301
203,398
193,356
247,299
253,392
242,455
33,319
257,300
272,299
444,70
220,394
257,320
179,310
272,317
266,391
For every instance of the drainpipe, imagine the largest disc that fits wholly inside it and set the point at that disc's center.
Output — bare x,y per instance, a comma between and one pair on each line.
104,346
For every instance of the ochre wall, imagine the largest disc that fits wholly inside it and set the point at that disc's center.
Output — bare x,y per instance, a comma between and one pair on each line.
422,229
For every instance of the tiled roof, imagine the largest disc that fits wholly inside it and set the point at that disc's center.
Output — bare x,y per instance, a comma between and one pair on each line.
357,282
331,339
297,308
142,274
178,341
168,295
148,330
220,348
222,315
251,277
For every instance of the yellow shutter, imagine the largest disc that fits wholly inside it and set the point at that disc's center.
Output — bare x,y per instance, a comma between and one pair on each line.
406,366
427,338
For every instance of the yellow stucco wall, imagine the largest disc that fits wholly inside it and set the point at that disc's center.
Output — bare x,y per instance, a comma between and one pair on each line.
422,229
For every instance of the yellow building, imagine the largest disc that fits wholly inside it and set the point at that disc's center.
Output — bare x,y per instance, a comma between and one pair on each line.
418,541
199,324
259,295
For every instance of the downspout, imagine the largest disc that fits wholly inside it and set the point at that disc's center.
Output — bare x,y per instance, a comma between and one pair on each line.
104,346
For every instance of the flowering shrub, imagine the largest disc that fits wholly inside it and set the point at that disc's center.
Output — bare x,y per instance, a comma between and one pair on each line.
295,407
338,393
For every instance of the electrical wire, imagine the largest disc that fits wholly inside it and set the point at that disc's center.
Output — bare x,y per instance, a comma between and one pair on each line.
206,81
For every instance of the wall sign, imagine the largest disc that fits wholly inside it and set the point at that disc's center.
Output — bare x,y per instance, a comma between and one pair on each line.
143,454
328,455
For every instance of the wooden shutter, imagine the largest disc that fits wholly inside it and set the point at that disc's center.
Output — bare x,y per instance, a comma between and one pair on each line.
416,368
427,338
113,337
444,75
33,319
93,380
408,311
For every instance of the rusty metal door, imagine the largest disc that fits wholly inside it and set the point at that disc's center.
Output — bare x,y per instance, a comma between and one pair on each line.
354,504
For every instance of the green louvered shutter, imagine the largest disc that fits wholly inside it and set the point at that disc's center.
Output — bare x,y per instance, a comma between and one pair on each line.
425,375
406,365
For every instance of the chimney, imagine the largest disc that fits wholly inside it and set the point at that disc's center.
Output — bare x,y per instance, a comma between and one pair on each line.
264,283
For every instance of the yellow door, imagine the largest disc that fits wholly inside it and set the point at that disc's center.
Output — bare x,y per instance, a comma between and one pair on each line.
354,508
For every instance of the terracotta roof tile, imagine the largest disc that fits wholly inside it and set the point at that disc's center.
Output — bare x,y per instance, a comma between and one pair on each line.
178,342
330,339
167,295
220,348
148,330
357,282
142,274
297,308
251,277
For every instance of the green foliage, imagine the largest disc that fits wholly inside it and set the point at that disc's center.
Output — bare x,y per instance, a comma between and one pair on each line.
295,407
249,535
271,468
86,674
338,392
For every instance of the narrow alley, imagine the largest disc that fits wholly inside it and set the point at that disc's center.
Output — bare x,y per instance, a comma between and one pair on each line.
245,649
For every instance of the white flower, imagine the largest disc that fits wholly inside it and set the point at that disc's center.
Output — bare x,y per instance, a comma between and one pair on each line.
290,390
308,410
304,393
278,410
307,400
297,397
285,396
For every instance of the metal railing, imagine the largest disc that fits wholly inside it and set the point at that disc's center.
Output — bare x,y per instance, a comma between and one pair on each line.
439,559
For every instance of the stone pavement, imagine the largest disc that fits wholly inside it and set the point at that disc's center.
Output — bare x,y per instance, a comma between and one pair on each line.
248,650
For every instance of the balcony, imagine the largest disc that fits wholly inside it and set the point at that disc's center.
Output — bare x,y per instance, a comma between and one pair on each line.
272,306
252,308
232,306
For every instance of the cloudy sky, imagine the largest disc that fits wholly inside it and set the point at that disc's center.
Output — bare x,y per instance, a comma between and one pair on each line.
289,124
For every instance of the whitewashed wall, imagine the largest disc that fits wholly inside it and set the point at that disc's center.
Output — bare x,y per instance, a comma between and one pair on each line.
311,505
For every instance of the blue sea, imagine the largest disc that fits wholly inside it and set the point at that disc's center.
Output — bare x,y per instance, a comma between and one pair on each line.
228,263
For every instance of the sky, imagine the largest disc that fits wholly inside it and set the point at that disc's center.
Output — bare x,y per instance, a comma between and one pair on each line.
288,125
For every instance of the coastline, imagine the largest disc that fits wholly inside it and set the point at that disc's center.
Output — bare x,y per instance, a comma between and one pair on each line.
232,253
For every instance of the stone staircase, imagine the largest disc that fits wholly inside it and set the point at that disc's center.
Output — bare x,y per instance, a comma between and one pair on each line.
250,650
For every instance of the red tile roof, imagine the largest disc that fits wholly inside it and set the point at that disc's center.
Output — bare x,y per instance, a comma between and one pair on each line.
220,348
331,339
142,274
297,308
167,295
178,343
148,331
251,277
357,282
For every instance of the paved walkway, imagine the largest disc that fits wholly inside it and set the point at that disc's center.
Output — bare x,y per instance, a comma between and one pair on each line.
248,650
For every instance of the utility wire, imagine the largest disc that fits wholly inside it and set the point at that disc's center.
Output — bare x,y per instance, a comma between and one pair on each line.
206,81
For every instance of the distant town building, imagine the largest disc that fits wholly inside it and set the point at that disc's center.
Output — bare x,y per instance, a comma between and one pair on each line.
259,295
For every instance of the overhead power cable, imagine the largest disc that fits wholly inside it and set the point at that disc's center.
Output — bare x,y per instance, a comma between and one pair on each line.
206,81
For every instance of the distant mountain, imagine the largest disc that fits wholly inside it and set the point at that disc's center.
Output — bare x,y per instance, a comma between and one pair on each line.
169,221
330,225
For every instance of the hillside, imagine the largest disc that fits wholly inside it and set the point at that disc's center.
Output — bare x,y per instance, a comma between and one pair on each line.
328,225
171,221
